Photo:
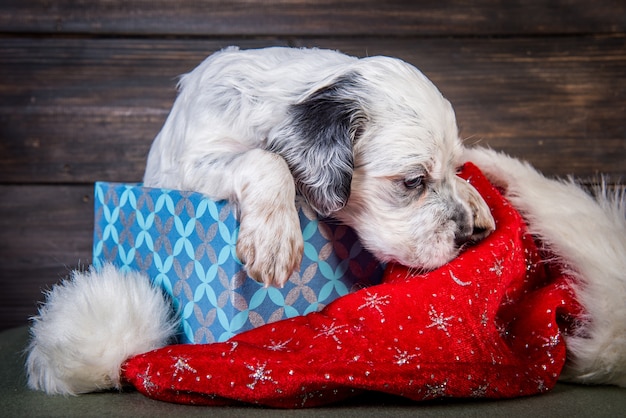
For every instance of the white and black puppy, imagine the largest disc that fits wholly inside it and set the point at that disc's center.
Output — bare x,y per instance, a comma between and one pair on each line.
370,142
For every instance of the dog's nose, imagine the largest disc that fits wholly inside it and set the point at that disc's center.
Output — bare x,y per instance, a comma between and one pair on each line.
464,230
462,237
460,241
468,230
481,222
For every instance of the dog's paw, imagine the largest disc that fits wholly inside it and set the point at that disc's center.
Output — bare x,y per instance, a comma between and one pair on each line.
270,244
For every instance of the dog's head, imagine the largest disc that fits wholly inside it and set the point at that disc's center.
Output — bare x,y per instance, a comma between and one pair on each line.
378,148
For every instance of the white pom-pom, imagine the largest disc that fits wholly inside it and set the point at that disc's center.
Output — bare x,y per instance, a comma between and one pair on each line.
90,324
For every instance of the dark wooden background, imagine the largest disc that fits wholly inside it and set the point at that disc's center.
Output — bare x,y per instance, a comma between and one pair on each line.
86,85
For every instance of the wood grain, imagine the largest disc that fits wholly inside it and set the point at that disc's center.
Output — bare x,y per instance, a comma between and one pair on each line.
312,17
86,110
44,232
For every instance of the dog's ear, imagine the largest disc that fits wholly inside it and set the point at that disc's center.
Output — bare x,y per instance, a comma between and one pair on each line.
317,144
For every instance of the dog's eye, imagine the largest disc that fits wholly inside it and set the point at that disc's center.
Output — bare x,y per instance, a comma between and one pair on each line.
413,183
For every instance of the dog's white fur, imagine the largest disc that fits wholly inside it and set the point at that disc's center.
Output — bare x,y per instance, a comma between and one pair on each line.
349,134
236,132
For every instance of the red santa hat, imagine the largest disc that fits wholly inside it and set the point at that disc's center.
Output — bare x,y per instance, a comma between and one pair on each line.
489,324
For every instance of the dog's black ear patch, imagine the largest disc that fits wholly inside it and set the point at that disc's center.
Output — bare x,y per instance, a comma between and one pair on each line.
317,144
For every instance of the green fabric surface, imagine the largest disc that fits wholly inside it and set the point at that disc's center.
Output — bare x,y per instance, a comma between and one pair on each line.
16,400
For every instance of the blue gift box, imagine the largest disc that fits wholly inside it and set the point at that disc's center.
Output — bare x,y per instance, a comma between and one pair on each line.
185,243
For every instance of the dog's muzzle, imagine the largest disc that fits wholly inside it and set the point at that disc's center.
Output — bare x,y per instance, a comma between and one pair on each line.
478,223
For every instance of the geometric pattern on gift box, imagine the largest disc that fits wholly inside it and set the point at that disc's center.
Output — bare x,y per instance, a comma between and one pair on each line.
185,243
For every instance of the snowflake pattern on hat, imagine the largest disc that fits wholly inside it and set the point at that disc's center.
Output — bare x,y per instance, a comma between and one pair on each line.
489,324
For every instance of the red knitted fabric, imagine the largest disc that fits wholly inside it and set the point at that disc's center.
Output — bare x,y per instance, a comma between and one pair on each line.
489,324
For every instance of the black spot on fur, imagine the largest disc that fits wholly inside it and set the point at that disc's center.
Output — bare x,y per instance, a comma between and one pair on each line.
318,144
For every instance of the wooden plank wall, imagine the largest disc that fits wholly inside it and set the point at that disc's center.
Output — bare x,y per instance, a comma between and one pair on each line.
86,85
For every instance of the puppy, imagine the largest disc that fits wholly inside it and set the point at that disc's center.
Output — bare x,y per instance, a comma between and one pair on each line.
370,142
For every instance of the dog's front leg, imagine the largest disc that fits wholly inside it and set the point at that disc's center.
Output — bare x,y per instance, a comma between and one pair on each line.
270,242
